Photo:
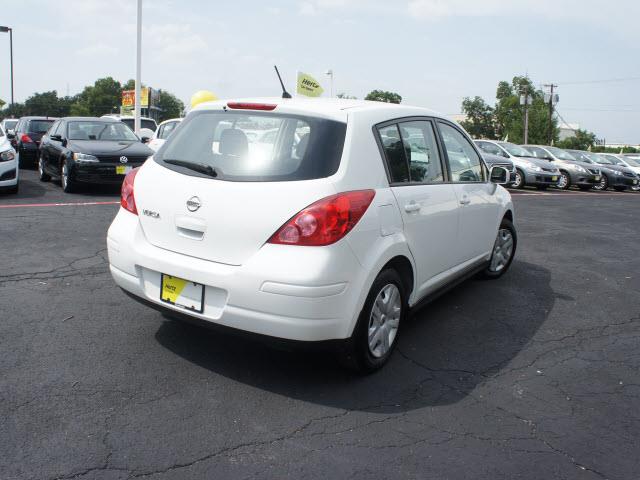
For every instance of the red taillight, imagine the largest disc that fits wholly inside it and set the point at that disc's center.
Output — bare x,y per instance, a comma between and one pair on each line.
127,198
25,138
251,106
325,221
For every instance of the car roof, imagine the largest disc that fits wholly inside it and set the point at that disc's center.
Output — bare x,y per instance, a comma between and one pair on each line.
36,118
335,108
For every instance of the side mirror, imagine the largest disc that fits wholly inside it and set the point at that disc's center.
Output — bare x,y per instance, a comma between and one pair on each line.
499,175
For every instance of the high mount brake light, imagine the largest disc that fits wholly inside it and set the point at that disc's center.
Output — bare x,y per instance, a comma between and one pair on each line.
325,221
25,138
251,106
127,197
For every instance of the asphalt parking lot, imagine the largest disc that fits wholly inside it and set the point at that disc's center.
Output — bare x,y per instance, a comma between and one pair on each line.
535,375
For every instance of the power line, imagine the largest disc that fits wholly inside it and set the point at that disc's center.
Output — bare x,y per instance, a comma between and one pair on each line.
608,80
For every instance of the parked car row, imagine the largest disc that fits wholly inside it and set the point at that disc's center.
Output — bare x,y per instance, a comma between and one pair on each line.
543,166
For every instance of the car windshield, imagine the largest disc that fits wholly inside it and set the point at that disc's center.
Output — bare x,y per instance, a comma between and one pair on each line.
97,130
10,124
579,156
144,123
515,150
605,160
559,153
279,147
39,126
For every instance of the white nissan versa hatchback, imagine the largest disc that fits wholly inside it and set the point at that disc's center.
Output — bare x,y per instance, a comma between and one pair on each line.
353,213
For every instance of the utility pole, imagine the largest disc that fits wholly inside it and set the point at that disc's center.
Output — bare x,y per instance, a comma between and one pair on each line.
526,100
552,101
10,30
136,120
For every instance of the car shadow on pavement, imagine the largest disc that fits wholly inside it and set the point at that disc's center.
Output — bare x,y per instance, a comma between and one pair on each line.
445,351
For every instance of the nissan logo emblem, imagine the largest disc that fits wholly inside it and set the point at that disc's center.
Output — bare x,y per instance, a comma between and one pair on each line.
123,159
193,204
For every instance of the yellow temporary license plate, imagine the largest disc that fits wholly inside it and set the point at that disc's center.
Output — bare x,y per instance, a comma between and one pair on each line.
182,293
123,169
554,178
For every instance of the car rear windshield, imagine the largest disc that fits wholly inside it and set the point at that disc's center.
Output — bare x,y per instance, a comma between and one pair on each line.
39,126
255,147
129,122
10,124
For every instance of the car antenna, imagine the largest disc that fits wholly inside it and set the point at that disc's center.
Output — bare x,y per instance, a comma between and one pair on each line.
285,94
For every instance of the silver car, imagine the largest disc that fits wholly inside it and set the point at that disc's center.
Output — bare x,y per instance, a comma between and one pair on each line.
530,171
571,173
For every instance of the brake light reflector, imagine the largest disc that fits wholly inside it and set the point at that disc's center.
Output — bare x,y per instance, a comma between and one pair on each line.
325,221
25,138
127,197
251,106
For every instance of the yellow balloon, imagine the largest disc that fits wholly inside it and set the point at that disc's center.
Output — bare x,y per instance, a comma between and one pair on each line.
202,96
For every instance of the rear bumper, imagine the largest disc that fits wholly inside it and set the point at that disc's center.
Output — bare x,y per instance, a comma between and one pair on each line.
294,293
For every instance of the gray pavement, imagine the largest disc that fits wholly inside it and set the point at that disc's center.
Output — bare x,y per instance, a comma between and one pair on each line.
533,376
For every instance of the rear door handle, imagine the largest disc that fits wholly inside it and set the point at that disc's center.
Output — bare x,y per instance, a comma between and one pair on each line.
412,207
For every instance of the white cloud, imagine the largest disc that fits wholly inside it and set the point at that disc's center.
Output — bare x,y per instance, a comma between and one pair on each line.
97,49
308,9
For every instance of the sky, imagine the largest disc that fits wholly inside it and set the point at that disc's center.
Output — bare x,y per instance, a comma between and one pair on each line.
432,52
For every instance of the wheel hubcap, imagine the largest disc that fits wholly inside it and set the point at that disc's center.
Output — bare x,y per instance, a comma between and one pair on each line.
502,250
602,184
40,169
563,182
65,174
517,181
384,320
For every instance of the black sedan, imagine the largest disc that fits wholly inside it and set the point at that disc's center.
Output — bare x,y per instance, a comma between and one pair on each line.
26,137
87,150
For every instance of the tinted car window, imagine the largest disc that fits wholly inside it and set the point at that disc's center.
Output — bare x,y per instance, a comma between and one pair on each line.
39,126
394,153
304,147
96,130
464,161
129,122
420,145
490,148
538,152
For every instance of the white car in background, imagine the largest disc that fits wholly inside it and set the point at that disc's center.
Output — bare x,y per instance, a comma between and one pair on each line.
9,171
9,125
148,126
332,237
162,133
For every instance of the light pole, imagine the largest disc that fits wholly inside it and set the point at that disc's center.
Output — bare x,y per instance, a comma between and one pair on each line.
330,74
526,100
136,119
10,30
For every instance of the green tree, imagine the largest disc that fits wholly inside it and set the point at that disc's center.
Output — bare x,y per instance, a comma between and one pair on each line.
479,122
48,104
582,140
383,96
104,96
509,114
16,110
170,106
2,103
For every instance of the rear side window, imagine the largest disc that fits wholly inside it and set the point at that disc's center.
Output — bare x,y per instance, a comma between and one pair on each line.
39,126
422,150
256,146
464,161
394,153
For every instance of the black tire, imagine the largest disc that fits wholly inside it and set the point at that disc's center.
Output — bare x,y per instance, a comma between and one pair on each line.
66,180
42,175
519,180
585,188
357,354
567,183
603,185
619,189
542,187
490,273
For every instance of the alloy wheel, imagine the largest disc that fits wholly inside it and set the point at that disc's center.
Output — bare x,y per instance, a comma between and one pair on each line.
64,177
602,185
563,181
502,250
384,320
517,181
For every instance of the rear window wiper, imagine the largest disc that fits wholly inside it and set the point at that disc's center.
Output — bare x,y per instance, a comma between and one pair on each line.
196,167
